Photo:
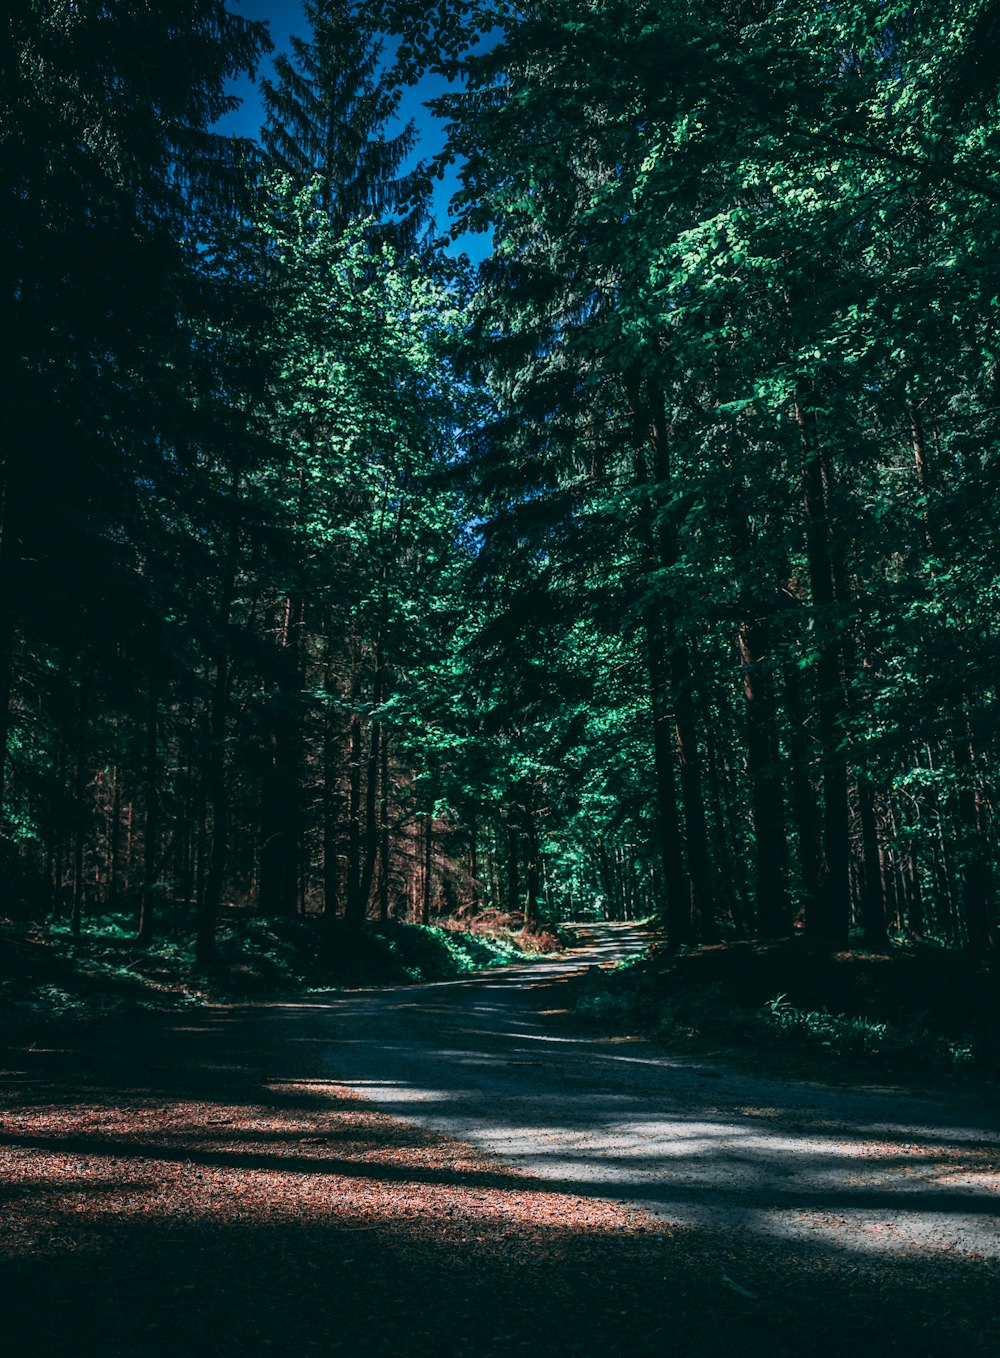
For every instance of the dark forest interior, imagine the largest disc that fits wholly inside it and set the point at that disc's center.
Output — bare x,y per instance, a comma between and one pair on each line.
647,569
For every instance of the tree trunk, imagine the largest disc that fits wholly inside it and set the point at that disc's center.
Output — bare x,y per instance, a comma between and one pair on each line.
873,899
473,826
383,833
353,874
281,797
364,840
218,798
79,826
331,807
773,909
151,825
829,917
513,869
693,799
215,779
915,923
977,869
677,911
425,906
115,839
733,881
802,794
680,670
607,881
677,915
532,875
8,593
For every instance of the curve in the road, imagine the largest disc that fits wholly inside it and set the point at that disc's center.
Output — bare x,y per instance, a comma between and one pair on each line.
481,1060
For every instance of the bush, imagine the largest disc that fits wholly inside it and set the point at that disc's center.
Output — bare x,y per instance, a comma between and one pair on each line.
714,994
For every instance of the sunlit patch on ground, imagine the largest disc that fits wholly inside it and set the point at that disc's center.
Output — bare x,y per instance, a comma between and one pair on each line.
208,1191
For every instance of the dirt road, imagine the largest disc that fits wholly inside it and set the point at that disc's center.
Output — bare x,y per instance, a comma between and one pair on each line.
482,1060
298,1179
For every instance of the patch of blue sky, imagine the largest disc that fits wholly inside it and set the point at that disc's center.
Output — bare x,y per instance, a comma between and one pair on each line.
285,18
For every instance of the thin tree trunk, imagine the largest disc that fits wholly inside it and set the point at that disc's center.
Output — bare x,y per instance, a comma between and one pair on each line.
873,897
733,881
607,884
531,873
550,903
115,839
8,593
218,797
353,873
151,825
185,870
79,826
693,798
331,805
425,905
383,833
473,826
215,780
653,486
773,909
680,671
677,888
915,922
829,916
364,840
802,796
493,865
977,870
513,872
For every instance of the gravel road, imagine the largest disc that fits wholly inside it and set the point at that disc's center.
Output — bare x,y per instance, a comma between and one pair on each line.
486,1060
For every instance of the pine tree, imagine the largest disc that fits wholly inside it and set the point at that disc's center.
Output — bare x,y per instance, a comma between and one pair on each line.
328,114
117,186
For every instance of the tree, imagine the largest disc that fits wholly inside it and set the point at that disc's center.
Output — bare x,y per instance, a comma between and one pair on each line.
328,113
117,186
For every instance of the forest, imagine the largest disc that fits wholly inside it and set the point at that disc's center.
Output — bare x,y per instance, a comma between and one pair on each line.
500,678
648,568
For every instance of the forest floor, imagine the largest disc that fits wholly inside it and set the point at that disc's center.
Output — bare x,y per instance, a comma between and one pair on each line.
918,1012
47,973
461,1169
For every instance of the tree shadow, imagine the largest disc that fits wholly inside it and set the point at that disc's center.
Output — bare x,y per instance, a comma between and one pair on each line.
112,1273
140,1286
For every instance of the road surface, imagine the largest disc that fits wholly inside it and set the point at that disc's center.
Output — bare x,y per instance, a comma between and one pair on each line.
483,1060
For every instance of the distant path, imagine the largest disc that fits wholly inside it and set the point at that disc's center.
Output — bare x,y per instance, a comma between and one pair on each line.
481,1060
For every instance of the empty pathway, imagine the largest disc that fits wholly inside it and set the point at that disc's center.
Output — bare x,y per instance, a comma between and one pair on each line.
485,1060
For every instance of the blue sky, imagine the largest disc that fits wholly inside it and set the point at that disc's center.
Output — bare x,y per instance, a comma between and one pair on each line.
285,17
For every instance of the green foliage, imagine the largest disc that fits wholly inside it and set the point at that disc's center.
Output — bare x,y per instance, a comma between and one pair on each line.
775,225
845,1035
398,953
652,567
705,1000
327,115
55,977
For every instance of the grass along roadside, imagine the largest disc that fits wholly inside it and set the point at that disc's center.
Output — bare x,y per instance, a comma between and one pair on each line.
47,974
909,1009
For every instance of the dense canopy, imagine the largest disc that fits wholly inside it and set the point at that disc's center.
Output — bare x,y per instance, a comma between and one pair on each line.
650,567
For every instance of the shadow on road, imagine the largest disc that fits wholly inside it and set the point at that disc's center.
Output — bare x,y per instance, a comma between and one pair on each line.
210,1188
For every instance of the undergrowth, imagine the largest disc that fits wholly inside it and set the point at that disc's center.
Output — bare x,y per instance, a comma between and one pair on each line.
874,1011
48,975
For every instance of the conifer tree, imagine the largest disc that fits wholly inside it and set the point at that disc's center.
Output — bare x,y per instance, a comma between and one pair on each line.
329,112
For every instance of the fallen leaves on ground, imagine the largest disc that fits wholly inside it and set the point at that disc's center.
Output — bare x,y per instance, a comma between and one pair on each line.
198,1189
